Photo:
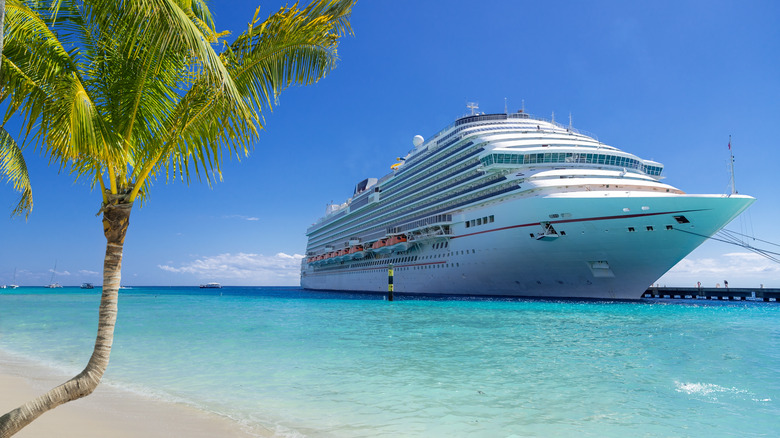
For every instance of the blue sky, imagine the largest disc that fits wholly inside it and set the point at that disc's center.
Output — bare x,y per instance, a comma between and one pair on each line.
664,80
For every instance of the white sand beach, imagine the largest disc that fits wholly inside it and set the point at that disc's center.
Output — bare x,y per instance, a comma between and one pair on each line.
108,412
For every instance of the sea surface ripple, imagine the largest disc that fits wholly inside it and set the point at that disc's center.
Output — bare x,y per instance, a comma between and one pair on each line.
347,365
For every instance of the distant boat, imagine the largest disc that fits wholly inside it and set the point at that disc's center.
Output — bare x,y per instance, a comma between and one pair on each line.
87,286
13,285
53,284
211,286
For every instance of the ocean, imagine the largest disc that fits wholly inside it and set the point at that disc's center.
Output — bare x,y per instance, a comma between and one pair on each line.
321,364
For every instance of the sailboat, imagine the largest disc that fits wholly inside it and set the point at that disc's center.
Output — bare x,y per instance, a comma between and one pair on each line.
52,283
13,285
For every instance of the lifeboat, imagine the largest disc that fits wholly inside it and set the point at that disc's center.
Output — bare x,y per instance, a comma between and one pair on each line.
357,252
398,243
346,254
381,247
329,257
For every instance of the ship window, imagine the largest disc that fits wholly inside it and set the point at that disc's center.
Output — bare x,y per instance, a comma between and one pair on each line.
467,224
669,227
631,229
484,220
681,219
491,218
563,233
649,228
479,221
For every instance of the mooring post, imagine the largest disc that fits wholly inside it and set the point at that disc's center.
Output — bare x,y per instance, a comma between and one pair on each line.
390,282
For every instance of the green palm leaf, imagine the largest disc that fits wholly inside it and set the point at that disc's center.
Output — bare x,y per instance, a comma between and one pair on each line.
13,167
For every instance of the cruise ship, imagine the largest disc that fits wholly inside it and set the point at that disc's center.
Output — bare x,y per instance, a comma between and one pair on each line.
512,205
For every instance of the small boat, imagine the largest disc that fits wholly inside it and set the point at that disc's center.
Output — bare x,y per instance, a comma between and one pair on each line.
13,285
211,286
87,286
53,284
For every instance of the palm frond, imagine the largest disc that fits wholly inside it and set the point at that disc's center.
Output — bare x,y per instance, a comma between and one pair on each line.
163,26
293,46
143,94
14,168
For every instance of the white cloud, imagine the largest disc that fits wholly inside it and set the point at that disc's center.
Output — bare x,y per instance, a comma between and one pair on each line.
741,269
59,272
742,262
241,216
244,269
88,272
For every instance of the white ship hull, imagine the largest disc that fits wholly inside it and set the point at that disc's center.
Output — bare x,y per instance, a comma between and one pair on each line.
610,245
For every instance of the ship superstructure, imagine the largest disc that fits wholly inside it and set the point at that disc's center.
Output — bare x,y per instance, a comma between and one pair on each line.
512,205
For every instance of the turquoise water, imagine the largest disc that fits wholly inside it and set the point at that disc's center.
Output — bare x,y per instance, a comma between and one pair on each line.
335,365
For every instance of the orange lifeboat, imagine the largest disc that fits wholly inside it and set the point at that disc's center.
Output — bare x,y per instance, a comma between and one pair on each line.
381,246
357,252
399,243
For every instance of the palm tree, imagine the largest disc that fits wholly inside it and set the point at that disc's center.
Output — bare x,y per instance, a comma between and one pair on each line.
123,92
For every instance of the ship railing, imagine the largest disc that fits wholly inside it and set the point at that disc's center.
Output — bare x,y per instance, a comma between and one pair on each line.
434,232
437,219
553,122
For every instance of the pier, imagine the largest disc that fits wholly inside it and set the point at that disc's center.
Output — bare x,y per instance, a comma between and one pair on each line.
714,293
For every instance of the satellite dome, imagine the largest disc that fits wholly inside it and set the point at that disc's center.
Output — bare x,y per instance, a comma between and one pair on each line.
418,140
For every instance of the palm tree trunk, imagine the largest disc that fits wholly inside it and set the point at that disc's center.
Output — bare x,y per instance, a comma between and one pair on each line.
116,218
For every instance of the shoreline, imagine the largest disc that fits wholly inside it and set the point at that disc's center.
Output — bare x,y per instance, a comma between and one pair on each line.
109,411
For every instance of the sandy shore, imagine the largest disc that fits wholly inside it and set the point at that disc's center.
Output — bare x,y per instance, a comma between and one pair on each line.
108,412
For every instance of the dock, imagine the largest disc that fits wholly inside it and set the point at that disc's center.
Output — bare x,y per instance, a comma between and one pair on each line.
714,293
